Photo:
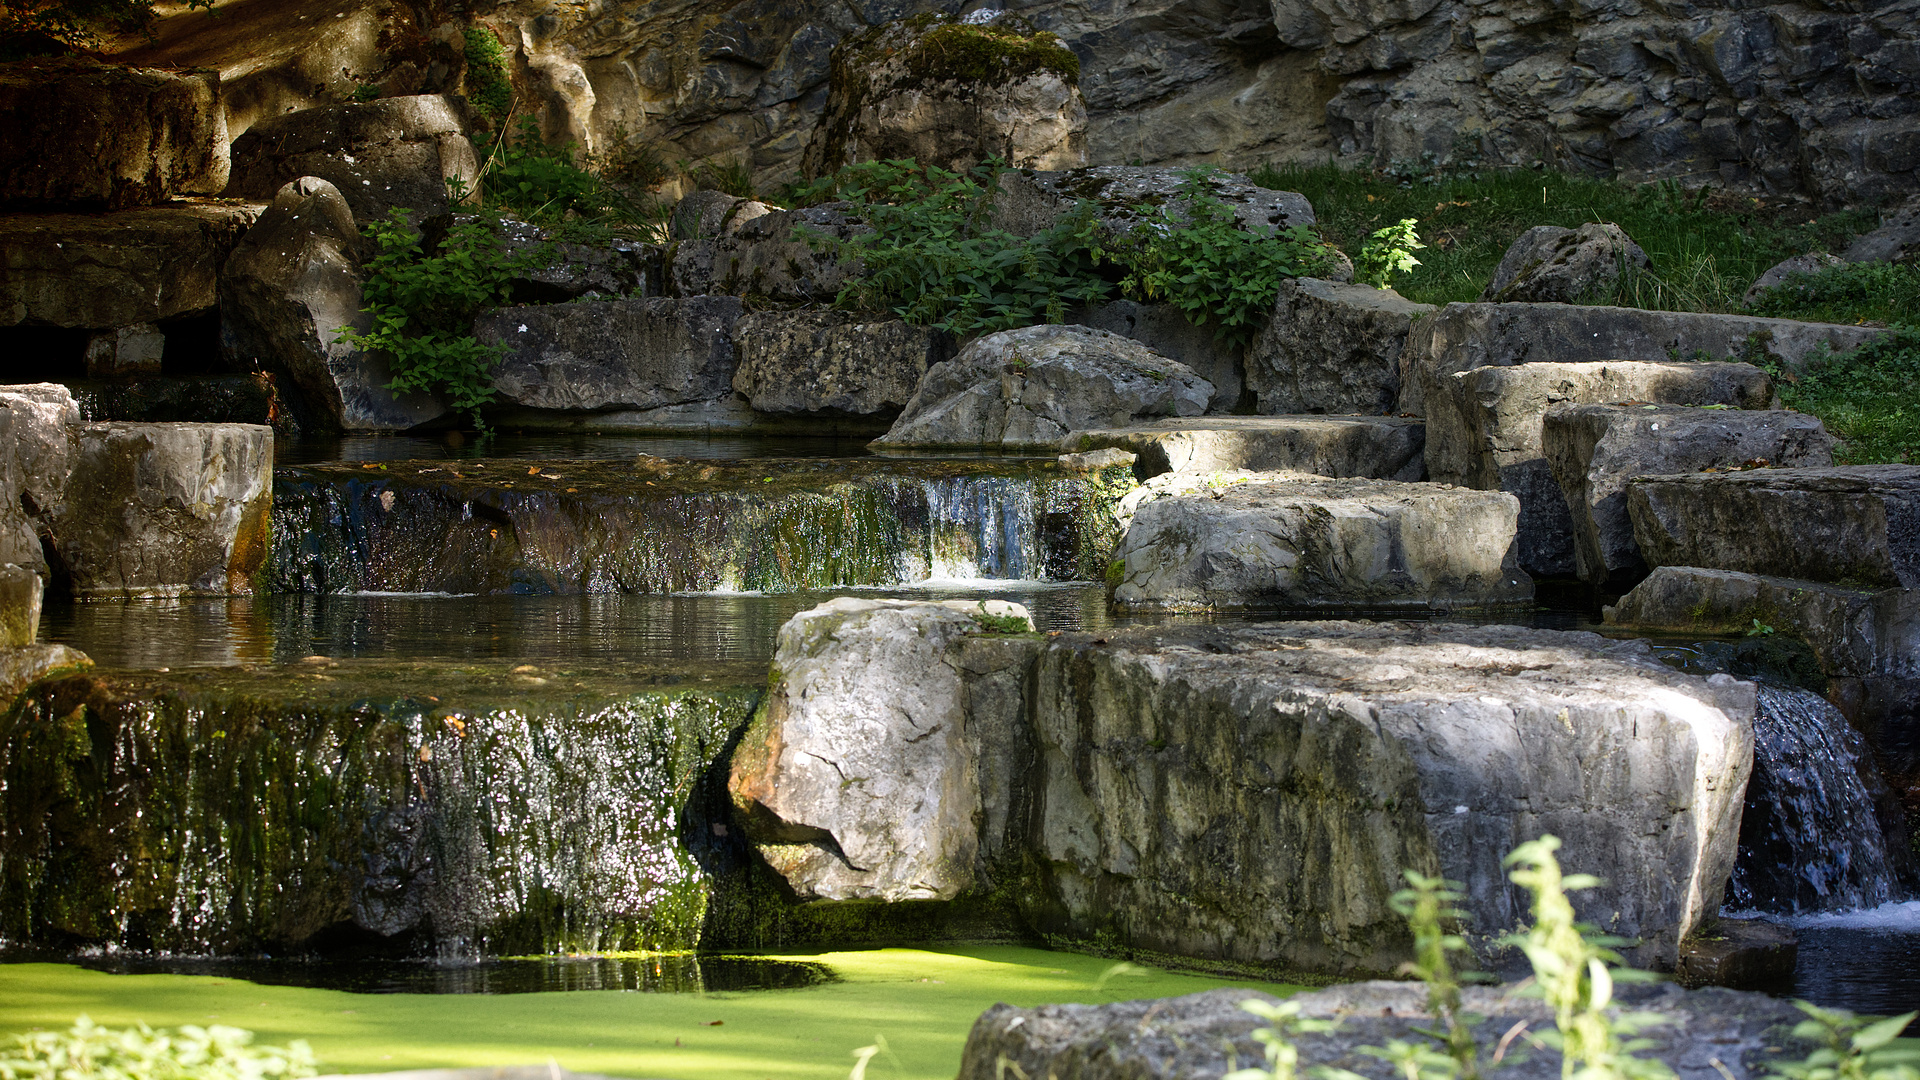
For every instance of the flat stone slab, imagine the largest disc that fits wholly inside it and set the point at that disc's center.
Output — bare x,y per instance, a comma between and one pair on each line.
118,269
1855,525
614,354
1379,447
1464,336
1744,954
1317,542
832,361
1485,429
1709,1034
1593,450
1856,633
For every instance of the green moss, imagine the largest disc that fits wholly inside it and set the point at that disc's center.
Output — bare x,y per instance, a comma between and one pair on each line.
989,56
489,89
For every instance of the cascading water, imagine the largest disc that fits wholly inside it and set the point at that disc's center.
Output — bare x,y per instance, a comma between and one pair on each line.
1811,838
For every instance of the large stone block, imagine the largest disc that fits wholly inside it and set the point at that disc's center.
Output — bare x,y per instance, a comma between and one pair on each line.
1856,633
1331,348
36,457
1306,542
1554,265
84,135
636,354
1463,336
20,593
166,509
1380,447
1031,387
18,542
291,286
767,256
381,155
119,269
1593,450
1255,793
1857,525
821,361
1166,330
1484,430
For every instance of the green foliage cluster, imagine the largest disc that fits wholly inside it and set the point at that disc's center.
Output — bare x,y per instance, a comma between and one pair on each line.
989,54
489,90
1874,292
55,27
88,1051
932,257
540,182
1851,1047
1389,251
424,295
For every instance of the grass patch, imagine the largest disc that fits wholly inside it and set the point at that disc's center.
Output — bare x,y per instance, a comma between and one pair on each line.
1706,247
923,1002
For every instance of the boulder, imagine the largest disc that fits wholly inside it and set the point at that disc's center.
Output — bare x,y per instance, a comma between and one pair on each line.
1554,265
811,361
1462,336
20,594
1742,954
165,509
79,134
1380,447
860,776
125,351
18,542
1308,542
1331,348
767,257
1705,1034
1779,272
952,94
381,155
1166,330
1484,430
1856,525
1593,450
636,354
1897,239
291,286
618,269
1031,387
24,666
1855,633
711,215
37,461
1254,793
1029,202
102,271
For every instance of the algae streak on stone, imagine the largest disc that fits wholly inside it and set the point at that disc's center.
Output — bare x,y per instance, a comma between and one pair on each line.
332,808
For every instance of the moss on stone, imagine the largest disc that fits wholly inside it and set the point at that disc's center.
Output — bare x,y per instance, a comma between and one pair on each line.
988,55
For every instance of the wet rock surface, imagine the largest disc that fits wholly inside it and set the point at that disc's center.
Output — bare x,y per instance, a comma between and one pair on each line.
20,595
1331,348
1303,542
1381,447
1554,265
35,461
1207,1035
1463,336
21,667
1741,954
1031,387
1594,450
636,354
78,134
381,155
111,270
814,361
1857,525
1485,430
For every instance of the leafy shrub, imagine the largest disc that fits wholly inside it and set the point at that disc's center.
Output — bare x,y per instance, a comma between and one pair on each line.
424,297
1388,252
540,182
488,89
1851,1047
88,1051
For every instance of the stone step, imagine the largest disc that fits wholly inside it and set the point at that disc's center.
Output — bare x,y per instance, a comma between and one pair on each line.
125,268
1379,447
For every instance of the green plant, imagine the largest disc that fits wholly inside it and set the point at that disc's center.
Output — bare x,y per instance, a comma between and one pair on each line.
1000,624
540,182
1388,252
366,92
1283,1023
1426,903
633,163
731,177
1872,292
1574,970
88,1051
489,90
1759,629
1851,1047
1868,397
424,297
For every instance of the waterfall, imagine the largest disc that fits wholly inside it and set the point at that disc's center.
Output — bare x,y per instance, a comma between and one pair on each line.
1811,838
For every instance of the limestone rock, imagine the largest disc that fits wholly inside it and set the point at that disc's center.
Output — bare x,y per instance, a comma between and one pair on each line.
1166,330
1306,542
1380,447
395,152
1207,1034
24,666
18,542
711,215
769,257
1031,387
1462,336
1779,272
1856,525
36,463
1554,265
84,135
618,269
119,269
1331,348
1743,954
637,354
291,286
1254,793
952,94
166,509
1593,450
1896,240
1484,430
859,777
1029,202
20,594
814,361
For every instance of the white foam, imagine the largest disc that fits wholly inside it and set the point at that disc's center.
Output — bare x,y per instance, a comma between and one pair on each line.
1900,916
